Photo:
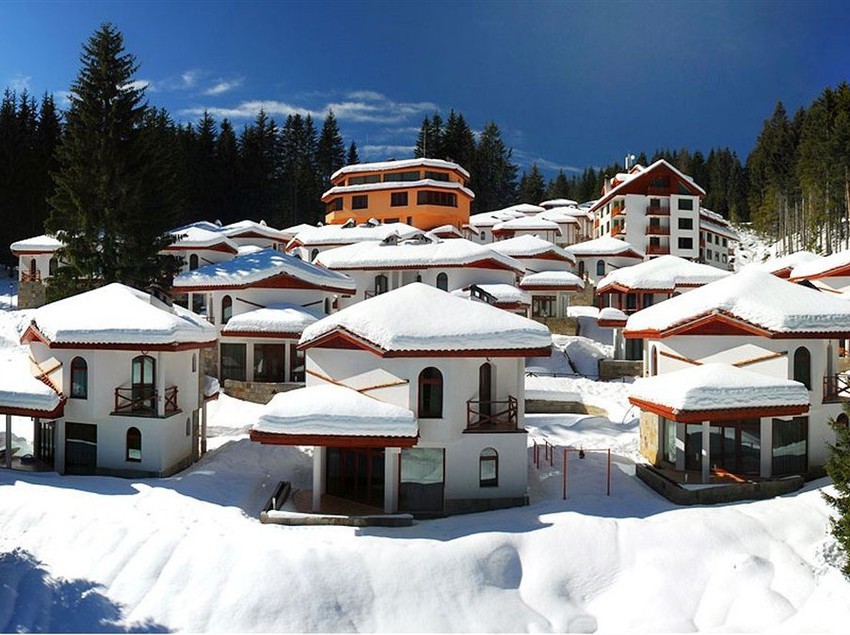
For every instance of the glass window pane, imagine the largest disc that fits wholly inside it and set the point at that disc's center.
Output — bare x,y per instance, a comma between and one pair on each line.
421,479
790,446
233,361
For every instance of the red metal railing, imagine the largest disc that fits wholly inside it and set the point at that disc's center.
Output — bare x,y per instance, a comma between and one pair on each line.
491,415
27,276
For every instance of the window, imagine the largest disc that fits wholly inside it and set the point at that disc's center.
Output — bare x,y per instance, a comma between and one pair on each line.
327,306
803,367
725,242
442,281
226,309
634,350
436,176
488,468
398,199
362,180
143,383
412,175
653,361
381,284
708,254
647,299
716,239
686,223
842,421
269,362
443,199
581,268
600,267
543,306
686,204
79,379
199,304
686,242
52,266
193,262
790,441
194,363
134,445
430,393
360,201
233,361
335,205
314,254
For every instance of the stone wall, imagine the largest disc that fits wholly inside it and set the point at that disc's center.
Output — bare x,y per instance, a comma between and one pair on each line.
537,406
256,391
560,326
209,361
31,295
649,446
617,368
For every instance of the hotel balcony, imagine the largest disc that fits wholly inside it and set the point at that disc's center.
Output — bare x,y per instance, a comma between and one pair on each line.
141,401
836,388
657,230
657,250
657,210
492,416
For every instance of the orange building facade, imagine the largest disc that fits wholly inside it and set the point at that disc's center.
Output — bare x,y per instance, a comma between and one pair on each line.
425,193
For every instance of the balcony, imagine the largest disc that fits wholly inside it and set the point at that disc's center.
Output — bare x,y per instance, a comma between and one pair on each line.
836,388
617,211
141,401
31,276
491,416
618,232
657,230
657,250
657,210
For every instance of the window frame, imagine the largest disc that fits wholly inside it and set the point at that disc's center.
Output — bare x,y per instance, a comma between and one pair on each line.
85,383
485,460
431,408
137,438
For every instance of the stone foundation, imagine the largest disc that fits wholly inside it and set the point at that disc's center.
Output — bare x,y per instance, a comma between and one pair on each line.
31,295
541,406
618,368
649,431
256,391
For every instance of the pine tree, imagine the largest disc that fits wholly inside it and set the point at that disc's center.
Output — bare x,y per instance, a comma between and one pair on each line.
352,157
330,152
838,468
227,174
421,149
493,173
109,208
458,141
532,187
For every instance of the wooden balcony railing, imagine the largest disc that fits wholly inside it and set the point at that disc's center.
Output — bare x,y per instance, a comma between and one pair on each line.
657,210
142,400
836,388
491,416
617,211
657,230
658,250
28,276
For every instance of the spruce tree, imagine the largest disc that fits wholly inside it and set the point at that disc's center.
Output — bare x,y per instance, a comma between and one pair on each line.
352,157
493,172
458,141
532,187
109,208
838,468
227,174
330,151
559,187
421,149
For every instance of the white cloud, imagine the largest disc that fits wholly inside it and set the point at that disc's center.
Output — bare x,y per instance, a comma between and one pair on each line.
189,78
526,160
249,110
138,84
63,98
366,95
20,82
222,86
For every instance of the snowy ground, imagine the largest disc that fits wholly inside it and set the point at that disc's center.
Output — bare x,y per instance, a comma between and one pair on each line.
8,293
187,553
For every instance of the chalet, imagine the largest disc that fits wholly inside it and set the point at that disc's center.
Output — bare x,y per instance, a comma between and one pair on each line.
128,391
198,246
572,223
596,258
378,267
309,243
829,273
527,225
479,229
259,304
422,192
414,402
782,266
536,254
742,376
251,233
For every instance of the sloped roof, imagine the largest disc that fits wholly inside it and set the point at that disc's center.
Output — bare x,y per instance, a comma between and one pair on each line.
252,227
195,237
399,165
527,223
752,297
665,273
530,246
276,318
36,244
243,271
21,392
782,263
342,235
823,267
605,246
117,314
414,253
418,318
630,179
551,280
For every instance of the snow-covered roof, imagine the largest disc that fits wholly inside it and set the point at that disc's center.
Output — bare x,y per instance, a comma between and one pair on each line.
788,261
394,185
250,226
611,316
43,243
714,222
344,235
558,202
551,280
638,171
201,224
418,318
20,390
293,230
663,273
605,246
247,250
243,271
718,387
276,318
399,165
414,254
117,314
333,410
562,215
501,292
488,219
754,297
529,246
199,238
526,208
446,231
527,223
822,267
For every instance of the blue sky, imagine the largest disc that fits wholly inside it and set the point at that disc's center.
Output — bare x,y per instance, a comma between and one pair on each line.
570,84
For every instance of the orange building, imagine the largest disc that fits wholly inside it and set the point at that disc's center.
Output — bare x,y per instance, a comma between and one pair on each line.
425,193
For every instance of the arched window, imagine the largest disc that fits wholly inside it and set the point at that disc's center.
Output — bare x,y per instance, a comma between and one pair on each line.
79,378
327,306
581,268
193,262
442,281
194,362
841,421
418,277
803,367
600,267
226,309
52,266
144,383
134,445
430,393
314,254
488,468
381,284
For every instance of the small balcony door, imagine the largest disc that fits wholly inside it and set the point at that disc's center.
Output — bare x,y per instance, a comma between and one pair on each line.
485,390
144,383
